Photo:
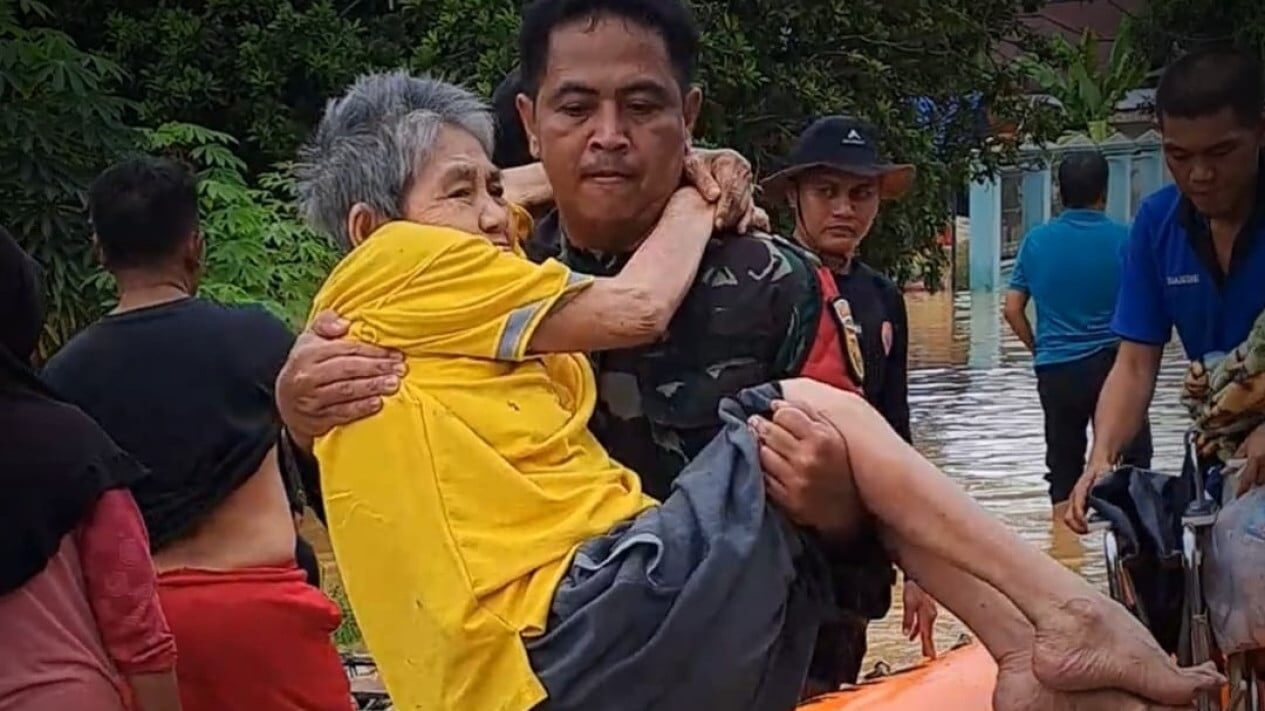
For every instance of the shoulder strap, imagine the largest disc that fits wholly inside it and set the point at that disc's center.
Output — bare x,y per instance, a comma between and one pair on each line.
825,362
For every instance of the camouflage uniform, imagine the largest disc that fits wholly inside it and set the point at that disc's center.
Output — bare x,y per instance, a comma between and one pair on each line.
749,318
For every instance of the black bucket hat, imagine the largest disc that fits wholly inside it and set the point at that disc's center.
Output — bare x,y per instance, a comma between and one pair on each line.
848,145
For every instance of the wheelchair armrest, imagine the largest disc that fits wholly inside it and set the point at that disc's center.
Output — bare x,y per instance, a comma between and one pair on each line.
1097,523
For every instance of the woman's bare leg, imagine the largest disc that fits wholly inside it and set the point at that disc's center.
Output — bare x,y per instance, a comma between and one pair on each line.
1082,640
1005,633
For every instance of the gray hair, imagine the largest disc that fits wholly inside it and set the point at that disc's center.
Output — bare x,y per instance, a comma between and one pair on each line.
373,140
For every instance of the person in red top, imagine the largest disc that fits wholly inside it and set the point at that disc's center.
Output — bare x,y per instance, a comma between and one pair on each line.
79,607
184,384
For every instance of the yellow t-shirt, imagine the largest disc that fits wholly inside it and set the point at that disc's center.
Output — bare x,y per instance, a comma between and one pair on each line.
455,511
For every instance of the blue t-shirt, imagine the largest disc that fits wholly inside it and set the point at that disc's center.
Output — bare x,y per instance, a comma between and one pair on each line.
1172,278
1070,267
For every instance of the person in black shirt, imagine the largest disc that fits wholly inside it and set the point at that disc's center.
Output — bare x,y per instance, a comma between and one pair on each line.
186,387
511,149
833,182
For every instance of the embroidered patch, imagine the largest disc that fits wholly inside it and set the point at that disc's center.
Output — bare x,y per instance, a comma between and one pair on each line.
851,337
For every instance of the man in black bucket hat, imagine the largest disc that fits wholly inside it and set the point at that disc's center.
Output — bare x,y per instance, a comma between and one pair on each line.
834,181
843,145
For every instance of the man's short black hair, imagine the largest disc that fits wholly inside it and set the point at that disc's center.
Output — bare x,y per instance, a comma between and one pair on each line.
671,19
142,210
1209,80
511,149
1083,179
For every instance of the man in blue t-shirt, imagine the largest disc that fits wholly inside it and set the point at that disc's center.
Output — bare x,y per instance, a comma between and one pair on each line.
1196,256
1071,268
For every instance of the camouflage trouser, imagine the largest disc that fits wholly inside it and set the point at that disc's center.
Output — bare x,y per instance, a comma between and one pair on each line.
837,659
862,577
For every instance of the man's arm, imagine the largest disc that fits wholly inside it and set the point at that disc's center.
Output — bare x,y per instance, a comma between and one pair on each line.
1016,311
894,398
1121,411
1142,321
527,185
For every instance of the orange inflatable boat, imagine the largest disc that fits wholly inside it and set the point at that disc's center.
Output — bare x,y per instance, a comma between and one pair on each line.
960,680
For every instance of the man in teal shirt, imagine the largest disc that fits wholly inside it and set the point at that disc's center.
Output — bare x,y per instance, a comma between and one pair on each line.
1071,268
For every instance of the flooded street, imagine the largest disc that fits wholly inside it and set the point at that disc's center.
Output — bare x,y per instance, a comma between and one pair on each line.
976,414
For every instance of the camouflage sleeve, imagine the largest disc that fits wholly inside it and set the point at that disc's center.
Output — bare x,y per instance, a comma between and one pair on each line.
796,303
740,325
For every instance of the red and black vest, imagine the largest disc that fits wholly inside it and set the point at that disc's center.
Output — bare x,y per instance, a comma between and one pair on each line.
835,356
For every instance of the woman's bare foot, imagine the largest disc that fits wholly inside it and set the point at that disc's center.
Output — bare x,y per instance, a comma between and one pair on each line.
1096,644
1018,690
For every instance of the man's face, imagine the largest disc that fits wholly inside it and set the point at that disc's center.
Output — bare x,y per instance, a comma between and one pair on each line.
611,126
835,211
1213,159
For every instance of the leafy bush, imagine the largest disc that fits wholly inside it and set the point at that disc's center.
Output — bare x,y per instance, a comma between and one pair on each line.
1163,29
60,123
1087,89
258,250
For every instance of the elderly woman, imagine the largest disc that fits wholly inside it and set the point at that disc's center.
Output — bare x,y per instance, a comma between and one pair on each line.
497,557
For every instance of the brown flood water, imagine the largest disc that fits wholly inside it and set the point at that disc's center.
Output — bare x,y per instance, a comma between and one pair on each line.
977,416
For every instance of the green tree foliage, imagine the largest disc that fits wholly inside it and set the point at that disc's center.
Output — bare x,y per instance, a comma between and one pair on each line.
60,122
258,251
769,67
1088,89
260,70
1163,29
255,69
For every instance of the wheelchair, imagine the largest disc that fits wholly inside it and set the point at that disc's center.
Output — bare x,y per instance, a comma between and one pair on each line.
1196,644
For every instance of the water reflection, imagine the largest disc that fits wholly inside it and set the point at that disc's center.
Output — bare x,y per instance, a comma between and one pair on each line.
976,414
